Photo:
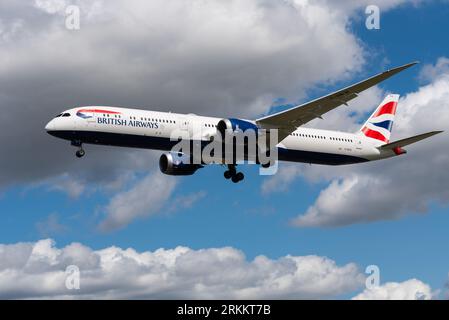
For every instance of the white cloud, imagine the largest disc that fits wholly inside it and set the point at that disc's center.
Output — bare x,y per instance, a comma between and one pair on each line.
281,181
412,289
361,4
37,270
431,72
50,226
444,293
224,58
186,201
143,199
67,184
51,6
171,59
390,188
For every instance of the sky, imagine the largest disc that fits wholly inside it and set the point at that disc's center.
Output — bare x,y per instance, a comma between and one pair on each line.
308,232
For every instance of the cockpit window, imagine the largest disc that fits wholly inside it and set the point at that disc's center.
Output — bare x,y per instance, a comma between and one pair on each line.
66,114
58,115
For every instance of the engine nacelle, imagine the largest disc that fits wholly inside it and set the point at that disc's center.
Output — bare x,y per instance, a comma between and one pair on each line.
235,125
177,164
242,139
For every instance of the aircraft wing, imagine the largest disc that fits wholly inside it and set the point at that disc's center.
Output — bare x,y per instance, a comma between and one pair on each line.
289,120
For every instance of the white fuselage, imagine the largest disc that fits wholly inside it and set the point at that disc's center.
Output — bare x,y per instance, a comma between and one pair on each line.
151,129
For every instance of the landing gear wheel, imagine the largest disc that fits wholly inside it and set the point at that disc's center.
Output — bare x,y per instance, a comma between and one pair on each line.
80,153
232,170
237,177
232,174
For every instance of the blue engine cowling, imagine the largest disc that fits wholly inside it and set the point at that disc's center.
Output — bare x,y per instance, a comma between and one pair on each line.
177,164
235,125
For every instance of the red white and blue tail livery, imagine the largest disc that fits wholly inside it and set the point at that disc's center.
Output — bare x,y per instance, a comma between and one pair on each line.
136,128
379,125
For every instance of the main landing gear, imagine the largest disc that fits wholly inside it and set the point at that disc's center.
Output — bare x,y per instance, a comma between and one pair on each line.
80,152
232,174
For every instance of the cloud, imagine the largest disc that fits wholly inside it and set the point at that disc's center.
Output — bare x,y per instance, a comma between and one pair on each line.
412,289
187,201
282,179
139,55
431,72
338,204
445,292
37,270
143,199
50,226
377,191
67,184
361,4
51,6
223,58
146,197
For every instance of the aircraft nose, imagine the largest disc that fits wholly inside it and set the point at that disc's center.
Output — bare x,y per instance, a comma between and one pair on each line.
49,126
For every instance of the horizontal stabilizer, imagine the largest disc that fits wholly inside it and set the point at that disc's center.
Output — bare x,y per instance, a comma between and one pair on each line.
407,141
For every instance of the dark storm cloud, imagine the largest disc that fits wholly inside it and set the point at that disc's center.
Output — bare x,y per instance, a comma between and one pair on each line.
208,57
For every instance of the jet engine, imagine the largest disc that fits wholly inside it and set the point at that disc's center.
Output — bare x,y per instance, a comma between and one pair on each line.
235,125
177,164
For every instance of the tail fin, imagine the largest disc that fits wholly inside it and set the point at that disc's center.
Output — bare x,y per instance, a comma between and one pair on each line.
380,124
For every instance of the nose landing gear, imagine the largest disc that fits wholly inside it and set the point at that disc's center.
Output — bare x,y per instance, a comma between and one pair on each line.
80,152
232,174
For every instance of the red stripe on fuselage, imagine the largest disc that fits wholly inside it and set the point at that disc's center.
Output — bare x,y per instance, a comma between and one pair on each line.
99,111
374,134
388,108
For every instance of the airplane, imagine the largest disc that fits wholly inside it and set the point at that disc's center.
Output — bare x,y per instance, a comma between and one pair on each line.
125,127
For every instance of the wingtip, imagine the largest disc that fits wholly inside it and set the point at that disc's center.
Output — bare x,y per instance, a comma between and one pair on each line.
411,64
433,133
401,68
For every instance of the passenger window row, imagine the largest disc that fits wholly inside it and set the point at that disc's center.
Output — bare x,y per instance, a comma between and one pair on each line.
341,139
153,119
115,116
320,137
308,136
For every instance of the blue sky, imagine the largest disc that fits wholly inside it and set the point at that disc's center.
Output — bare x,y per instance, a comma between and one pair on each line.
242,216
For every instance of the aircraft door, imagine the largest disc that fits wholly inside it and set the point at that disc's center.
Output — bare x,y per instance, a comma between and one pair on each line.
185,127
358,145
